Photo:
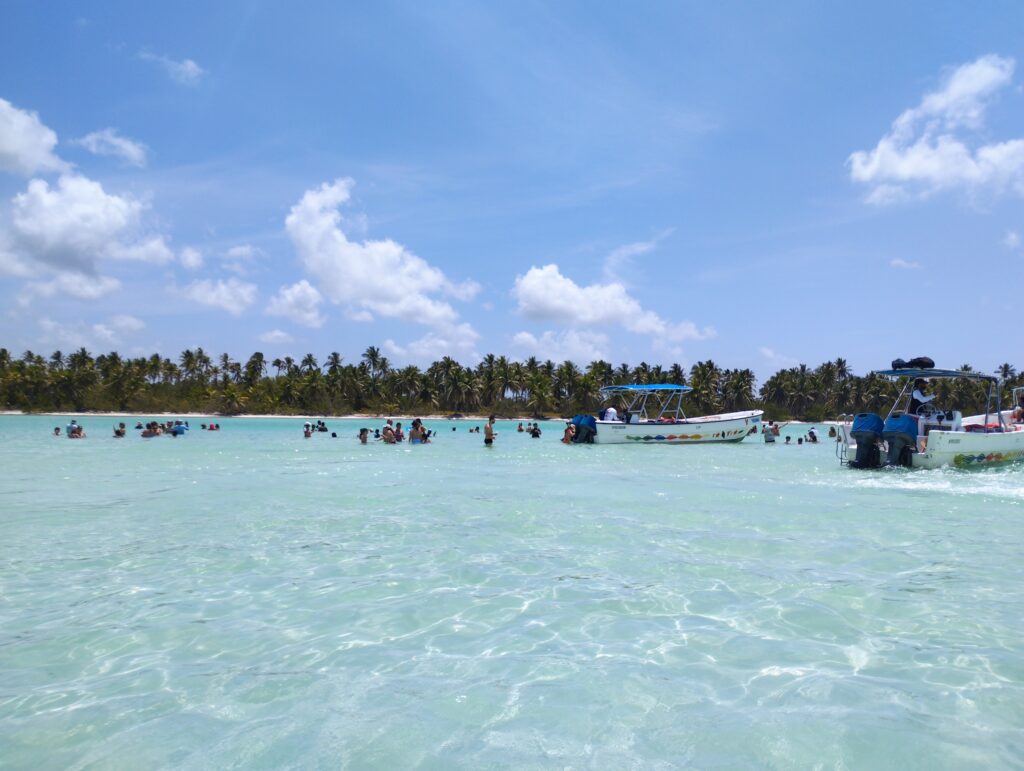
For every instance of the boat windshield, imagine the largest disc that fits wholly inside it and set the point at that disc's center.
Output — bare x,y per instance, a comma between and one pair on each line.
649,402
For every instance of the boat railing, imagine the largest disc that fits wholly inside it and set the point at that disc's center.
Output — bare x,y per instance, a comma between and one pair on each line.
843,441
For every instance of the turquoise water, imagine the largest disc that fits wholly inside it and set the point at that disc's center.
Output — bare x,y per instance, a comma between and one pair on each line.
253,599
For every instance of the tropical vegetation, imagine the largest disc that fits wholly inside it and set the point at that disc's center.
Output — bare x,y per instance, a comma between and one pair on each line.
196,382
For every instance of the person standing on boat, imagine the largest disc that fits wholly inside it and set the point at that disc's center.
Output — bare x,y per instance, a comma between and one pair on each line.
611,413
919,398
1018,411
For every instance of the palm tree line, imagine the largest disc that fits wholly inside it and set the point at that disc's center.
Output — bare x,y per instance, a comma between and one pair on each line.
198,383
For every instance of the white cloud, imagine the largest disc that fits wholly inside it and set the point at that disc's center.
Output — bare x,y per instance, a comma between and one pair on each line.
70,284
79,334
777,359
464,291
380,277
544,294
904,264
458,341
236,257
299,302
191,258
926,151
26,144
233,296
620,259
580,346
276,337
126,323
150,249
72,225
108,142
1012,240
11,264
186,71
241,252
360,316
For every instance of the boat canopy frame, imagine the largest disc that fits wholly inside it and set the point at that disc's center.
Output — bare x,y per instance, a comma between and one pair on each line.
662,400
994,397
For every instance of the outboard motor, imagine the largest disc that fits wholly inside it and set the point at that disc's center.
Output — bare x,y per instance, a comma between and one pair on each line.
900,431
867,430
586,429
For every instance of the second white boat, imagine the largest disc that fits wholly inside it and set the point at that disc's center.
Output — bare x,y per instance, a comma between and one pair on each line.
653,414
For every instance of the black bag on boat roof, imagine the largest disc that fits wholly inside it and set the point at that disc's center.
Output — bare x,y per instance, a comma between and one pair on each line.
921,362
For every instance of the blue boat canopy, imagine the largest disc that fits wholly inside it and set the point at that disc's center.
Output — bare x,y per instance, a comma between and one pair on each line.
622,389
940,373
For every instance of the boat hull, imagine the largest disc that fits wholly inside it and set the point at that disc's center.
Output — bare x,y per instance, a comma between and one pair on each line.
729,427
964,449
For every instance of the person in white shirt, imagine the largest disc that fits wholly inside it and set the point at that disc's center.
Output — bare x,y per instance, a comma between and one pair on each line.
919,398
611,413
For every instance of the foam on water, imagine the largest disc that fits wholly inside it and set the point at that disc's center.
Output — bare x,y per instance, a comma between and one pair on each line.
251,598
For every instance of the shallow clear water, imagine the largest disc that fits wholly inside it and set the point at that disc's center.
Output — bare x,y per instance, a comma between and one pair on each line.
253,599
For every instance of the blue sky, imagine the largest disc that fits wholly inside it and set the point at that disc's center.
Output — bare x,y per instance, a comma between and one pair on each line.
763,186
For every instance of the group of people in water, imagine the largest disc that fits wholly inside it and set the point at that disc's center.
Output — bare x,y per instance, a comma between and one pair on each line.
532,429
156,428
770,430
390,433
74,429
393,433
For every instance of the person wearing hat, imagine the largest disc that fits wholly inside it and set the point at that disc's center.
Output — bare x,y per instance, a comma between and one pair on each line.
919,398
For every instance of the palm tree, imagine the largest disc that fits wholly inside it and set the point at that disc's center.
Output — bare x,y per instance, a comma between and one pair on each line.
601,371
676,375
255,368
372,358
539,401
333,364
738,389
842,369
705,380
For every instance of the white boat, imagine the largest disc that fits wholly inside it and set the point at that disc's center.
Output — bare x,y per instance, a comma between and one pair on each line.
933,437
653,414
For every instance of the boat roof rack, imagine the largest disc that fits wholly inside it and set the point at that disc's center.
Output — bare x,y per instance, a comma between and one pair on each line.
619,389
939,373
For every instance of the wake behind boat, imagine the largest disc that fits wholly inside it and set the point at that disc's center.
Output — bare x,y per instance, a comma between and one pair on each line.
917,433
653,414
